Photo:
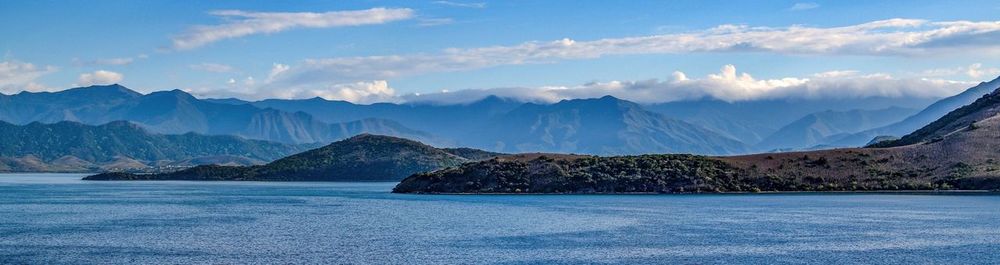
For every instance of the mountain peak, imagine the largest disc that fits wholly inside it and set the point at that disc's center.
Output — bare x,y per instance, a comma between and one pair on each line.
176,93
103,91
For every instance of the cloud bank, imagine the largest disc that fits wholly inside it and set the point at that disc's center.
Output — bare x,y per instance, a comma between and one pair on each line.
727,85
975,70
893,37
243,23
16,76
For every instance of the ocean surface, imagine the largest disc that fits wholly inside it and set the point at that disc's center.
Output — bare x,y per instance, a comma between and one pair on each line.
58,219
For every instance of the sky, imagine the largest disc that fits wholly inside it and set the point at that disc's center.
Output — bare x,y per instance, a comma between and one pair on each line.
458,51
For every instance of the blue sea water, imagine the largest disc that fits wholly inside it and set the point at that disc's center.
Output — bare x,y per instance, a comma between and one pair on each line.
58,219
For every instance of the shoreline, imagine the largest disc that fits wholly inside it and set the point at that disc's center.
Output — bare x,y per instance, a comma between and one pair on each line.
901,192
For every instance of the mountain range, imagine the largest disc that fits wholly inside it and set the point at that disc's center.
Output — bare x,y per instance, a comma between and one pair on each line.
598,126
74,147
957,151
177,112
817,129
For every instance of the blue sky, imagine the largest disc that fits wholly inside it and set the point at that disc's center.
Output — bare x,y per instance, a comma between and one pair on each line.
372,51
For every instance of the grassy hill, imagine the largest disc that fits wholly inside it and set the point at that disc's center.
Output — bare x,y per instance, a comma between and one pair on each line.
364,157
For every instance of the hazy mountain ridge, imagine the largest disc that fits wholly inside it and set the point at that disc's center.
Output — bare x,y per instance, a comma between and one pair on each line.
605,125
966,118
922,118
753,121
446,121
818,128
176,112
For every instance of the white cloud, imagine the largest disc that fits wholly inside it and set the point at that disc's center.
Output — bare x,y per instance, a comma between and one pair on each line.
460,4
728,85
974,71
803,6
359,92
16,76
99,77
276,69
213,67
243,23
893,37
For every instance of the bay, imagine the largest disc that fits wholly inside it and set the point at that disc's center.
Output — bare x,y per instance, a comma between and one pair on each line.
59,219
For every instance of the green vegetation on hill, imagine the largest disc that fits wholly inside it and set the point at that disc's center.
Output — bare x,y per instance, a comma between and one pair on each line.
71,146
645,173
364,157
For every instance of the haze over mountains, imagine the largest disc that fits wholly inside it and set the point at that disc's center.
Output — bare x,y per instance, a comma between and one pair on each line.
600,126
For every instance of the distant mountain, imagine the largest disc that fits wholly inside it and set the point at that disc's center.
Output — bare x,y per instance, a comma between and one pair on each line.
490,124
815,129
72,146
447,121
925,116
753,121
176,112
361,158
599,126
958,151
699,127
88,105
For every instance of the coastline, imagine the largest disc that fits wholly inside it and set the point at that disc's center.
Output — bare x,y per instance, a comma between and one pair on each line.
901,192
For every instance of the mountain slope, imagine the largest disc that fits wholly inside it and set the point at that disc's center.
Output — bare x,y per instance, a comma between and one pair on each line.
924,117
64,145
815,129
599,126
970,117
752,121
945,154
364,157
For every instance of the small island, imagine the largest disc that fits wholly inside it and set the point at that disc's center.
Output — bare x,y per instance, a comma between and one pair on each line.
365,157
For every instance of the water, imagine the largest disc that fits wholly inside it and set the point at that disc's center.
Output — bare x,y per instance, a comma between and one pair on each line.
53,219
